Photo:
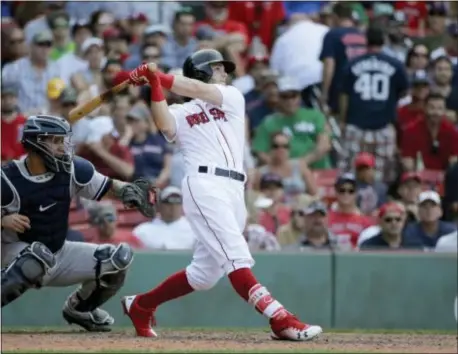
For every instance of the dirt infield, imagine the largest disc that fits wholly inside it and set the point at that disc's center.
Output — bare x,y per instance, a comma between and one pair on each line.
231,341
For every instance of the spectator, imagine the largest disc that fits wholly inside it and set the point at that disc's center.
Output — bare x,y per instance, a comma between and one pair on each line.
291,233
435,138
74,61
116,44
442,83
345,219
120,107
451,193
435,35
59,23
156,35
92,52
249,84
371,194
316,232
274,212
101,21
372,86
448,243
306,67
417,58
409,190
103,149
80,129
413,112
429,228
149,53
449,49
103,217
150,150
341,44
397,43
41,24
308,8
136,26
169,230
12,123
182,42
31,74
296,176
13,44
391,237
306,127
219,30
416,13
259,239
260,17
261,101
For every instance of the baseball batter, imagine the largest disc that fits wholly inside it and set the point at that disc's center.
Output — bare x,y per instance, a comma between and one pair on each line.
210,129
36,197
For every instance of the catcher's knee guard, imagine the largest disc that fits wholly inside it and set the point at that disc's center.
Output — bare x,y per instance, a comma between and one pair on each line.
26,271
110,272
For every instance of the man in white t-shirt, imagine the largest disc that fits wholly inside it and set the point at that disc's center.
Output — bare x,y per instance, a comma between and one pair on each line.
210,130
170,230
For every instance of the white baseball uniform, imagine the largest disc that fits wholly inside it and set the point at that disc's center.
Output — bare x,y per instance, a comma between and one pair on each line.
214,137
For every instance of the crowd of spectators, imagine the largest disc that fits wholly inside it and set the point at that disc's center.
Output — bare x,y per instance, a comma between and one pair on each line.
323,172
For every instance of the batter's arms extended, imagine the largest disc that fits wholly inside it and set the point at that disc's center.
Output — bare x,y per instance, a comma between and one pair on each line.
179,85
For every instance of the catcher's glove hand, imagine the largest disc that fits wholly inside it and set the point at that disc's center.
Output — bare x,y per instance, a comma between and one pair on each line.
140,194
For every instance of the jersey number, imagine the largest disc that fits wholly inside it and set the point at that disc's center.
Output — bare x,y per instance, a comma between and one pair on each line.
373,87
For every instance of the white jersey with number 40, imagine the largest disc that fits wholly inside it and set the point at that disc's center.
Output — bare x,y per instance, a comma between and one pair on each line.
209,135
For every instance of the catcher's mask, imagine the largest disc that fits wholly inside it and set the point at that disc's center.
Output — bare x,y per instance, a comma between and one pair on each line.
50,138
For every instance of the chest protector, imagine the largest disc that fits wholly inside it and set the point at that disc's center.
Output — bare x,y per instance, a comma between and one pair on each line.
46,204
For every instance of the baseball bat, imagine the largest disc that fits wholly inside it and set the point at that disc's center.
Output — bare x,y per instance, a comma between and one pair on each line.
87,107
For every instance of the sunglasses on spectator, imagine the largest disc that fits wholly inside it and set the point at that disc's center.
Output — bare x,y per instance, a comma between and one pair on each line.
392,219
44,44
280,146
298,213
14,41
288,96
346,190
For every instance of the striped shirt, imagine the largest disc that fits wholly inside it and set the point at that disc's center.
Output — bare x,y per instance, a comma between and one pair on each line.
31,84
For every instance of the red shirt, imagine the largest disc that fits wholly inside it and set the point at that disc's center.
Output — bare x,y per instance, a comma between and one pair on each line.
408,116
348,225
415,11
423,143
228,26
272,224
260,21
11,138
119,151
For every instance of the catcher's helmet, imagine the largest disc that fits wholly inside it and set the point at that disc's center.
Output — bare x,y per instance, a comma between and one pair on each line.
198,65
36,135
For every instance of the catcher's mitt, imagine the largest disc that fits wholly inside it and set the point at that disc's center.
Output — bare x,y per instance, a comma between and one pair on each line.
140,194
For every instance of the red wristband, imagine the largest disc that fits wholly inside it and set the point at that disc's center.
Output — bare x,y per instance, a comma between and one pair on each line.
166,79
157,95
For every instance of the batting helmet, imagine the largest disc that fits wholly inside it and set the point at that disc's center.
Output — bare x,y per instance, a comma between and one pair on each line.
37,136
198,65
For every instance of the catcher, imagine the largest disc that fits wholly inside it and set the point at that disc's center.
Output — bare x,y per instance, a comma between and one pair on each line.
36,195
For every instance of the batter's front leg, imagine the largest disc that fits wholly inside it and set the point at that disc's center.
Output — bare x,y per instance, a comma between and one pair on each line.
101,271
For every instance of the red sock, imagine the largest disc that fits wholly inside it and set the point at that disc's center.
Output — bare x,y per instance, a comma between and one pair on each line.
175,286
246,285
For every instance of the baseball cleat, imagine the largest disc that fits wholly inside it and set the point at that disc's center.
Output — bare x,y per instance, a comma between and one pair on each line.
286,326
141,319
96,321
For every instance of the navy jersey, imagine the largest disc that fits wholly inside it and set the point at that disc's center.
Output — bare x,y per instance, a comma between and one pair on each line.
45,199
341,44
378,243
374,83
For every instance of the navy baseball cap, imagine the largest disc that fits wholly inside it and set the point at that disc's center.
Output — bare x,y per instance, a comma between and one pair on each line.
316,207
345,178
420,77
